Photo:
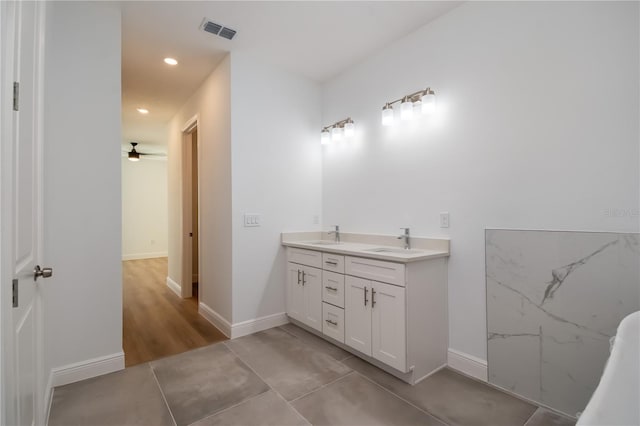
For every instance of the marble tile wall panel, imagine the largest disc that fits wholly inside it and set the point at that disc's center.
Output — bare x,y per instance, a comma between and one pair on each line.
554,299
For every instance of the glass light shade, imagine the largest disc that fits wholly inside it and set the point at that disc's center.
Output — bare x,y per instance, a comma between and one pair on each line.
134,156
336,134
349,129
406,110
325,137
429,103
387,116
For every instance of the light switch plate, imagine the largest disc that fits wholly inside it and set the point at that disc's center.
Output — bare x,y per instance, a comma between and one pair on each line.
252,219
444,220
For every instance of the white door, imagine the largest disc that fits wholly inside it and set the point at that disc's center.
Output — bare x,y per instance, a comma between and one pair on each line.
388,325
357,312
312,284
295,292
21,216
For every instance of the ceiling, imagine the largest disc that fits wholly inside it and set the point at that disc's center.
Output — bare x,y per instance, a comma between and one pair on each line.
318,40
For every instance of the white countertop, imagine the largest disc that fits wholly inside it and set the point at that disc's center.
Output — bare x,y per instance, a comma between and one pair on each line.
361,245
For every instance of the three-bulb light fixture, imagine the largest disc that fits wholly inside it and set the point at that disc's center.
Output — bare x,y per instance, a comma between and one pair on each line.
337,130
422,100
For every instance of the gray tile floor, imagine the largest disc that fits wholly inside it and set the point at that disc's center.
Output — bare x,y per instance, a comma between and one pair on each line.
284,376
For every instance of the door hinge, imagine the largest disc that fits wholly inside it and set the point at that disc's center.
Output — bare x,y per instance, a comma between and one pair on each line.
14,292
16,96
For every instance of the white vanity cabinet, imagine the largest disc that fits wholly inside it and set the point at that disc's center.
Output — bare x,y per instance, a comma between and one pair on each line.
390,313
304,288
375,320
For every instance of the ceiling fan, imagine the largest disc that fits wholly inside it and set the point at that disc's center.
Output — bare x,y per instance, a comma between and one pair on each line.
134,155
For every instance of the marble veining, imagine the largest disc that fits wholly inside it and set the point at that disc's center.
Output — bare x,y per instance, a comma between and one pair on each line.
554,300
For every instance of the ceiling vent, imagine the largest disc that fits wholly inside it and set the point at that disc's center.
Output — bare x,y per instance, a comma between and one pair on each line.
217,29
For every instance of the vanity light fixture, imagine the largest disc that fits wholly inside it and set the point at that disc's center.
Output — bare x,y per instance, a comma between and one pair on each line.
143,110
423,100
337,130
170,61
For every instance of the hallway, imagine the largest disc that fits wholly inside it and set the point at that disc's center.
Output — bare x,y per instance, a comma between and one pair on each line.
156,322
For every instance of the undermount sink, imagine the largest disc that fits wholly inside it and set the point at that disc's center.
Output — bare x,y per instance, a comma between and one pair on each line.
394,250
323,243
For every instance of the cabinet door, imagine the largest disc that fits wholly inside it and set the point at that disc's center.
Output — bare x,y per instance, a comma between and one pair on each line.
357,312
295,292
312,284
388,325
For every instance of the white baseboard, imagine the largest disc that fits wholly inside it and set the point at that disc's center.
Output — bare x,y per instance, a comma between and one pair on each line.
174,286
468,364
215,318
243,328
137,256
258,324
86,369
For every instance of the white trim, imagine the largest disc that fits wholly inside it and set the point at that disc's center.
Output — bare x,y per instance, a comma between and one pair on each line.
258,324
48,399
174,286
137,256
468,364
82,370
215,318
191,124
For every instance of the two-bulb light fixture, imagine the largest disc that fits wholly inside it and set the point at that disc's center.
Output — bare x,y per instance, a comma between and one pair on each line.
337,130
423,101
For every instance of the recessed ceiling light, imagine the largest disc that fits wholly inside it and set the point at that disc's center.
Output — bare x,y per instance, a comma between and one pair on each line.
143,110
170,61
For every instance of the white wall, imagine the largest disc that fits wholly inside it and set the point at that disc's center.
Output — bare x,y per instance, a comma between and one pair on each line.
144,209
537,128
211,103
82,213
276,170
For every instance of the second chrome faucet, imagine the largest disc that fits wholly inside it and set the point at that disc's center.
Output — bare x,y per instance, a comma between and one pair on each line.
337,233
405,236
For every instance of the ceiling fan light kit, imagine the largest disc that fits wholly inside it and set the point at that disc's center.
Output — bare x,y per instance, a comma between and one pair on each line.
134,155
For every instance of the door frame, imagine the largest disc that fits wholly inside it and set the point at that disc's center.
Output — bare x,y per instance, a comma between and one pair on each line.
186,268
42,391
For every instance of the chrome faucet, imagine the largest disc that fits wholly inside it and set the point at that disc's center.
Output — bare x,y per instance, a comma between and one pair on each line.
405,237
337,233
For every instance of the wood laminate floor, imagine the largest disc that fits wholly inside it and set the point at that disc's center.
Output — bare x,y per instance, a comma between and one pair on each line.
156,322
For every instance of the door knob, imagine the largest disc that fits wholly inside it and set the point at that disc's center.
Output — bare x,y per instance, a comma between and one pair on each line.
42,272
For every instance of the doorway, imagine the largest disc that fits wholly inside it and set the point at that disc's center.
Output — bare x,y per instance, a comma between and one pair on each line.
190,218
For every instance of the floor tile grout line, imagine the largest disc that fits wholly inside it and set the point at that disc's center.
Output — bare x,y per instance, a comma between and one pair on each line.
289,403
230,407
402,399
349,355
263,380
323,386
164,398
294,409
531,416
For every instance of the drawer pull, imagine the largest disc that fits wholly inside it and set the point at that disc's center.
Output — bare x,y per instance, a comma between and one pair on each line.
331,322
365,296
331,288
298,276
373,297
331,263
304,281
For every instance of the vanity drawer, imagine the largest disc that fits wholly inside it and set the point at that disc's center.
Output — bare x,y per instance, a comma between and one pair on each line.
304,257
377,270
333,288
333,322
333,262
